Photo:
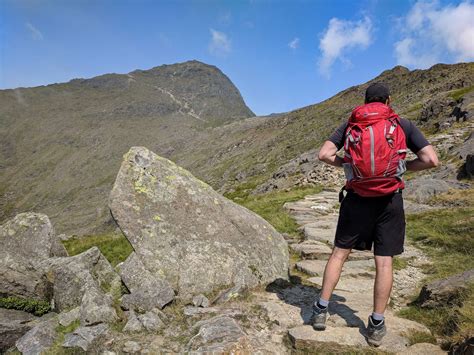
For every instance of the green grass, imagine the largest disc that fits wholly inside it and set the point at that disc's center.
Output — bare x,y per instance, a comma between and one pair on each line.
399,263
115,247
416,336
38,308
457,94
445,235
270,206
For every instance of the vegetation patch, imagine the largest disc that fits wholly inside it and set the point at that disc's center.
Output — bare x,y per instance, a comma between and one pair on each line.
446,236
37,307
458,94
270,205
399,263
114,246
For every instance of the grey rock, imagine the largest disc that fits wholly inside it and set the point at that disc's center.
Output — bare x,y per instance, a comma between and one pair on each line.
200,301
73,276
84,337
133,324
67,318
193,311
422,349
230,294
151,321
96,307
25,242
131,347
448,291
13,325
183,230
38,339
29,235
147,290
216,334
423,189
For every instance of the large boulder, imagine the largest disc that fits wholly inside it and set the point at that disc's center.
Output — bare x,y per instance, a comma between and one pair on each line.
187,233
13,324
26,241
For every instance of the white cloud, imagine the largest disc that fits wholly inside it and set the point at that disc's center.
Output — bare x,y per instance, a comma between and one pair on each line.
220,44
340,36
35,33
295,43
432,33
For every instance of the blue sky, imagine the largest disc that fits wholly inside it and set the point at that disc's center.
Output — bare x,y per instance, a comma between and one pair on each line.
282,55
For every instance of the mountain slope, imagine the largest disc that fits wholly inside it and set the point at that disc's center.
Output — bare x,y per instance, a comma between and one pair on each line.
61,145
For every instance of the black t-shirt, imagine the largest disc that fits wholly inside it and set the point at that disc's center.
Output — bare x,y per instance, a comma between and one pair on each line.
414,137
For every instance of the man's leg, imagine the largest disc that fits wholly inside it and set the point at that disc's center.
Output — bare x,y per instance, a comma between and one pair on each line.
331,277
383,282
333,270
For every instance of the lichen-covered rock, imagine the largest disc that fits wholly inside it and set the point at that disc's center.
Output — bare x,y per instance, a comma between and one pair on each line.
96,307
147,290
25,242
184,231
67,318
217,334
84,337
13,324
73,276
38,339
133,323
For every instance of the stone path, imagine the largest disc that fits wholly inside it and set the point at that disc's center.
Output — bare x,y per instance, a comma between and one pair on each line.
351,303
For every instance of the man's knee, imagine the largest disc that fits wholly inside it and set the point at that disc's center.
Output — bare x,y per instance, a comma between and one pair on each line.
383,262
340,253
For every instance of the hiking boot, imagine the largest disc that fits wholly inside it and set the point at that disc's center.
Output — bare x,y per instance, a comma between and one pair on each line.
319,317
375,333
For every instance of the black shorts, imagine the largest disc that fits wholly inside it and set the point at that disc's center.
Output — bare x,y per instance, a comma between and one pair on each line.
364,221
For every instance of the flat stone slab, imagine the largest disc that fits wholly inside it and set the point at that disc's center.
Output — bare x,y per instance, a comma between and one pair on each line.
322,235
312,250
337,338
422,349
354,268
360,285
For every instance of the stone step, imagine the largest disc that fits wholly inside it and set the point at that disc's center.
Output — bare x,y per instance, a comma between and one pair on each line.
352,268
319,234
315,250
350,284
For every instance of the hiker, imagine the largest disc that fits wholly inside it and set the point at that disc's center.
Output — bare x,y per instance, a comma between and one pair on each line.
375,142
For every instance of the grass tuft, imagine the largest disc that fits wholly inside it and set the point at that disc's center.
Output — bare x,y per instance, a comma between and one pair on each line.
115,247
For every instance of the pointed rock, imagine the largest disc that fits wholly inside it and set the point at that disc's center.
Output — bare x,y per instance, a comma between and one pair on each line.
183,230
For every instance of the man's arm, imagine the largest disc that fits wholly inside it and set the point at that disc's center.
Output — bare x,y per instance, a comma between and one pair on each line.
327,154
427,158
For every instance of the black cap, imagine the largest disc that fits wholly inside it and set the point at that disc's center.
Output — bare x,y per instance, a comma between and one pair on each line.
377,90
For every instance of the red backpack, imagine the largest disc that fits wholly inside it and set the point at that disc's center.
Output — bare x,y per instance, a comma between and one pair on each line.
374,151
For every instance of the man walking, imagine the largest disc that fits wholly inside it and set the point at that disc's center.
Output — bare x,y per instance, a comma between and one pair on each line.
371,214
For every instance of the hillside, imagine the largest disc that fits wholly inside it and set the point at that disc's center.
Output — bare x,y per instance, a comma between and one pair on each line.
61,144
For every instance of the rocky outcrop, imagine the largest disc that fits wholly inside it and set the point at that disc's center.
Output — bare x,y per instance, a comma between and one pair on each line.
449,291
188,234
39,339
88,281
303,170
26,241
13,324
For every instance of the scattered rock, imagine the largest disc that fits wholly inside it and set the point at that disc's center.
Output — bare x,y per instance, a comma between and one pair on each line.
446,291
216,334
25,242
200,301
151,321
38,339
230,294
96,307
66,318
183,230
73,276
13,325
84,337
133,324
147,290
422,189
131,347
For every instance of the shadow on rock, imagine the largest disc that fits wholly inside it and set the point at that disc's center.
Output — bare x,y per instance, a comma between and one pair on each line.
295,293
